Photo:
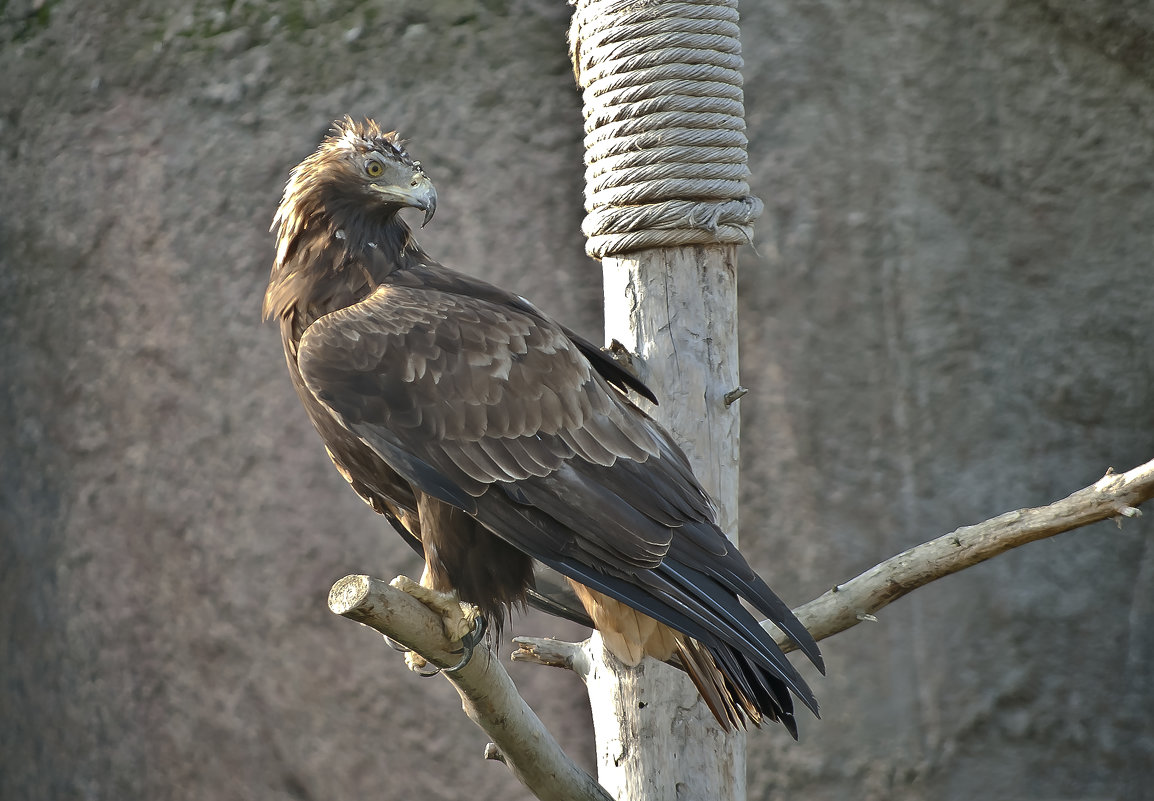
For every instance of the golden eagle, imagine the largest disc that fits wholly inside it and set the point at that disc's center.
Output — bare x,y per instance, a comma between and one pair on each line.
497,439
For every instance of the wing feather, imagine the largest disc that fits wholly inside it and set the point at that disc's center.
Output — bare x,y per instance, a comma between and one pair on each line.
503,457
533,461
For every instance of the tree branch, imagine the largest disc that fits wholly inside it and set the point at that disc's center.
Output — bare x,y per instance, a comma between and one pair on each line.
488,695
1114,496
490,698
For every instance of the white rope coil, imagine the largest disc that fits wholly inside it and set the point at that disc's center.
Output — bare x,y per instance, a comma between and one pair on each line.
665,146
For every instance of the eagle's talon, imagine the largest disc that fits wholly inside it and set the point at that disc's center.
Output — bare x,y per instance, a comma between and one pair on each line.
413,661
396,646
469,642
419,665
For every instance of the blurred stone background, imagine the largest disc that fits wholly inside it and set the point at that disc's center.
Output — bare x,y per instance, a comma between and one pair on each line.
948,313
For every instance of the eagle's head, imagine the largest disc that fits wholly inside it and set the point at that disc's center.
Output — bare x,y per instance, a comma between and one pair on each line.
358,173
340,207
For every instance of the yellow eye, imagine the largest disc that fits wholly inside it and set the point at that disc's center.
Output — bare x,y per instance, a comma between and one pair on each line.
374,169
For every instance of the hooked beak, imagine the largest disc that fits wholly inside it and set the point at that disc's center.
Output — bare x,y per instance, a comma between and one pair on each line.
424,196
418,194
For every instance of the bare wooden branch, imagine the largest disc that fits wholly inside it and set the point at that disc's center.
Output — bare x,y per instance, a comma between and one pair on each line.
1114,496
552,653
488,695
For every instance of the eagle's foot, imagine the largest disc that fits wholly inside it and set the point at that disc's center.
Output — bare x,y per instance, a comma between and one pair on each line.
419,665
458,618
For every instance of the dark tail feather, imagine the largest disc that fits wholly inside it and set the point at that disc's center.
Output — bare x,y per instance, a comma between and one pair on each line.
737,690
712,684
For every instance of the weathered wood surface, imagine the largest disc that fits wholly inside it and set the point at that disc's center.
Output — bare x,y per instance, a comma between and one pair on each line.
676,308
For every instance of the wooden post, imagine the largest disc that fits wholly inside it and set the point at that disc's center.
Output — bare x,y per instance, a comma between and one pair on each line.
676,308
667,196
